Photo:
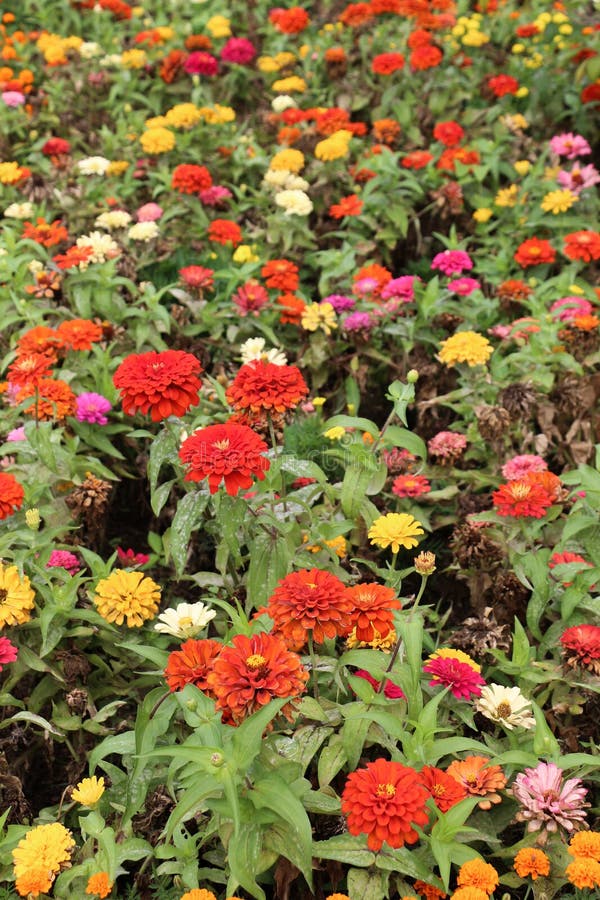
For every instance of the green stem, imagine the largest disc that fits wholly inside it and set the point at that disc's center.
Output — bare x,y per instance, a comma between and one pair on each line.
277,453
313,665
415,605
384,428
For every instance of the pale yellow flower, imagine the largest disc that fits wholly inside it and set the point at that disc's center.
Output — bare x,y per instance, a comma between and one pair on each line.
556,202
335,433
88,791
319,315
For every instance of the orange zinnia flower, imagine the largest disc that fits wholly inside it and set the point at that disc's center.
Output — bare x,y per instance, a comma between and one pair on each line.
262,386
11,495
445,791
45,233
72,257
189,179
387,63
534,252
583,245
429,891
348,206
293,307
40,339
356,14
384,801
30,368
289,21
162,384
531,861
54,399
253,672
478,778
310,600
386,131
281,274
522,499
427,56
191,664
478,874
79,334
379,273
222,231
372,612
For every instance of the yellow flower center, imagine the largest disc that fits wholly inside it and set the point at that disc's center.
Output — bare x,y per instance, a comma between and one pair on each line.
386,790
186,621
221,445
504,710
256,661
520,490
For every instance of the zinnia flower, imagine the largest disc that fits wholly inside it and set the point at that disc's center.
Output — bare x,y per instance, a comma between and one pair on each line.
506,706
446,792
88,791
534,252
410,486
263,387
479,779
310,600
40,856
581,644
163,384
530,861
253,672
54,399
191,664
586,845
452,262
16,597
319,315
548,802
8,652
11,495
521,499
447,445
478,874
465,346
583,245
230,453
186,621
373,605
91,407
63,559
584,873
395,530
100,884
30,368
558,201
222,231
190,178
79,334
518,467
127,596
384,800
451,669
391,690
281,274
569,145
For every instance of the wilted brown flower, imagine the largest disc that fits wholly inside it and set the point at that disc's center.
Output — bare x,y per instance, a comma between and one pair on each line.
479,634
492,422
519,399
473,549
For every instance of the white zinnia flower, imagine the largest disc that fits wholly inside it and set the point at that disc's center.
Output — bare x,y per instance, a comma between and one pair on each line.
89,49
254,348
284,101
276,178
114,218
296,183
506,706
295,203
93,165
19,211
143,231
186,621
102,245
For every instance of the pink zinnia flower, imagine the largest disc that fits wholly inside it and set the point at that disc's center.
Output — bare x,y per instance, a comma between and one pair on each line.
391,690
463,286
579,178
149,212
402,288
13,98
460,677
447,445
8,652
63,559
91,408
570,145
452,262
238,50
130,558
357,321
17,434
518,467
548,802
340,302
201,63
567,308
251,297
215,195
365,286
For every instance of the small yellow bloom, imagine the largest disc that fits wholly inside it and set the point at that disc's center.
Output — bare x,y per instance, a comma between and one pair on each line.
290,85
287,160
245,254
334,147
219,26
517,48
157,140
465,346
319,315
16,597
566,29
507,196
183,115
483,214
33,519
335,433
88,791
395,530
117,167
318,402
556,202
127,596
522,166
134,59
575,289
522,92
10,172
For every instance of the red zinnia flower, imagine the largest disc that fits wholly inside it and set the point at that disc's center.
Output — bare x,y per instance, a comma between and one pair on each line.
289,21
11,495
293,307
534,252
445,791
262,386
348,206
189,179
372,610
30,368
384,800
222,231
410,486
583,642
448,133
54,399
250,298
310,600
462,679
197,277
427,56
45,233
163,384
8,652
356,14
56,147
584,245
418,159
529,30
281,274
522,498
419,38
561,559
387,63
229,453
172,65
500,85
191,664
250,674
79,334
72,257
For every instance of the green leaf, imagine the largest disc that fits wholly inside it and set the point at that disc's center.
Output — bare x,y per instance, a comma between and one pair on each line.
191,801
243,853
247,740
159,497
331,760
273,793
401,437
162,449
354,487
345,848
366,885
189,514
407,862
269,562
34,719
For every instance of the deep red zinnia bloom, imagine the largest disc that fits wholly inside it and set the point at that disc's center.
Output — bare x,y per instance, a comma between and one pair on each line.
289,21
582,646
462,679
191,664
521,499
410,486
384,800
445,791
310,600
162,384
189,179
372,610
230,453
254,671
450,134
56,147
534,252
261,386
583,245
222,231
425,57
11,495
500,85
387,63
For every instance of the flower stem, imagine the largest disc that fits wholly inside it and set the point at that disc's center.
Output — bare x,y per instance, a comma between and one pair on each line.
313,665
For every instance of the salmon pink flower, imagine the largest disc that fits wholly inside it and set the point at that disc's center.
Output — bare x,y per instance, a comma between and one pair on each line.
547,801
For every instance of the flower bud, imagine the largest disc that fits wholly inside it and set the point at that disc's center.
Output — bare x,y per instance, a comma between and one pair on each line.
33,519
412,376
424,563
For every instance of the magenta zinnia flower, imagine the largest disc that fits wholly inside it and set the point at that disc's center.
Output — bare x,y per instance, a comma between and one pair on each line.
460,677
452,262
402,288
8,652
63,559
91,408
570,145
548,802
238,50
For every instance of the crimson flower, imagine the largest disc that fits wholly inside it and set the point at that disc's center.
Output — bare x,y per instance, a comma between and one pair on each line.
581,644
231,453
163,384
11,495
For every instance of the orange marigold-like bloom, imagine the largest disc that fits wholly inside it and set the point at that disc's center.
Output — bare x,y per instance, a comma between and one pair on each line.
189,179
310,600
372,610
11,495
262,386
522,499
230,453
45,233
469,893
54,399
293,307
222,231
30,368
335,55
585,844
191,664
39,339
478,778
384,801
253,672
387,63
281,274
172,66
331,120
198,894
348,206
583,245
288,136
478,874
419,38
514,289
386,130
289,21
534,252
531,861
79,334
584,873
427,56
99,884
429,891
356,14
163,384
445,791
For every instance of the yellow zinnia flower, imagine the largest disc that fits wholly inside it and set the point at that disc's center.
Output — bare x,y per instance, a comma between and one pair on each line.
466,346
245,254
183,115
10,172
507,196
219,26
289,160
16,597
134,58
522,166
157,140
88,791
319,315
40,856
127,595
290,85
335,433
334,147
483,214
558,201
117,167
395,530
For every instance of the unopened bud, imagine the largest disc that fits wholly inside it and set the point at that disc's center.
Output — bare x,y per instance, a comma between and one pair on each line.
217,759
33,519
424,563
412,376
